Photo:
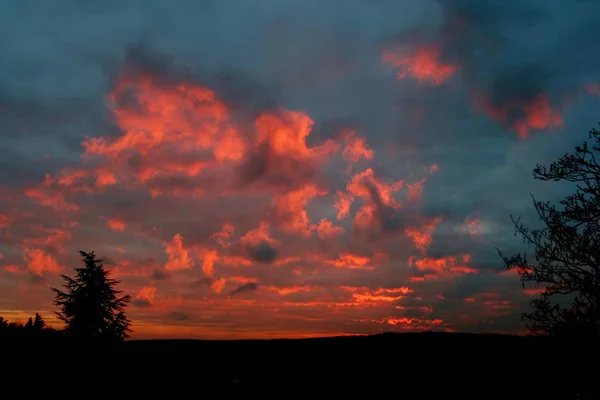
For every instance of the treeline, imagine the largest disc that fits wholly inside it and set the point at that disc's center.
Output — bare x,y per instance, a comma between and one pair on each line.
35,328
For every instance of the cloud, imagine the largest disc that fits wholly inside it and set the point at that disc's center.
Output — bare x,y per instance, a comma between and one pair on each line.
179,257
178,316
354,167
145,297
40,262
247,287
259,245
159,275
262,252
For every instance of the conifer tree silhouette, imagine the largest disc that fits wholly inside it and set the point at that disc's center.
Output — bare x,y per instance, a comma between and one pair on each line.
38,323
91,307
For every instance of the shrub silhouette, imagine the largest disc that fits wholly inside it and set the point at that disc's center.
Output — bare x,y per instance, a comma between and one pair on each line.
91,307
567,249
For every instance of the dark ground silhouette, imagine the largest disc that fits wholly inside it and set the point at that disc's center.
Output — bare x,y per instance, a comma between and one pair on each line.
419,365
97,364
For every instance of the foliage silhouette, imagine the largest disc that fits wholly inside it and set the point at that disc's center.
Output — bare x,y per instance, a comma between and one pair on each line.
567,249
91,307
35,328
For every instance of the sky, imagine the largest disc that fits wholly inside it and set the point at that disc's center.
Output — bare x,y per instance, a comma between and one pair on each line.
286,168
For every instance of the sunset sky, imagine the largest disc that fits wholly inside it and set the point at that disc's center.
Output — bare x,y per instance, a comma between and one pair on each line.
286,168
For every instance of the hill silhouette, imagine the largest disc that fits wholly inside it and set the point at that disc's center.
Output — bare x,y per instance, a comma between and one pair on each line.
408,365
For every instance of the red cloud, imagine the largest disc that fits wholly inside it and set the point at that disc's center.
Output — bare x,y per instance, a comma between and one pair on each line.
40,262
422,63
179,256
533,114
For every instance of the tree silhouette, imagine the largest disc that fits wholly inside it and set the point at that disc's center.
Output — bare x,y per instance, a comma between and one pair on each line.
35,327
3,324
91,307
38,323
567,249
35,324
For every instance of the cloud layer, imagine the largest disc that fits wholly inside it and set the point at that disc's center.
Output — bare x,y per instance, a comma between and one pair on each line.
286,168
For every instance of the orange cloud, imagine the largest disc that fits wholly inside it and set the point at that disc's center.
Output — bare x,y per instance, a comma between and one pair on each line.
218,285
375,194
534,114
179,257
434,268
343,202
280,156
416,324
534,291
5,220
40,262
49,237
351,261
116,224
290,212
326,229
174,131
224,234
422,235
209,262
146,295
362,294
105,178
423,64
355,148
51,198
165,116
284,291
11,269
